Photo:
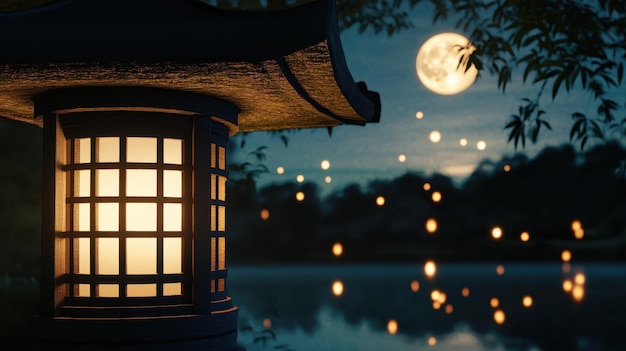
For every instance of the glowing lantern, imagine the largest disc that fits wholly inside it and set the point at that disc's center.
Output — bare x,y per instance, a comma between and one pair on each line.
380,200
337,249
499,317
337,288
392,327
527,301
415,286
566,255
496,232
430,269
431,225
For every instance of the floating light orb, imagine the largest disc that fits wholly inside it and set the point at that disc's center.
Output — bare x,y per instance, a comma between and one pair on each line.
392,327
442,298
380,201
527,301
328,179
436,196
463,142
566,255
507,168
430,269
579,279
435,136
499,317
578,293
419,114
449,309
300,196
337,249
402,158
496,232
415,286
437,64
494,302
427,186
579,233
434,295
481,145
265,214
337,288
465,292
431,225
299,178
280,170
576,225
567,285
267,323
325,165
524,236
436,305
432,341
566,267
500,270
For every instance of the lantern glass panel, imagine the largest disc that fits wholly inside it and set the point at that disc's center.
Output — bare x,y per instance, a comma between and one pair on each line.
141,217
172,289
141,256
82,245
172,217
141,290
82,150
173,151
172,183
107,182
172,255
82,217
107,149
108,253
82,183
107,215
141,182
140,149
108,290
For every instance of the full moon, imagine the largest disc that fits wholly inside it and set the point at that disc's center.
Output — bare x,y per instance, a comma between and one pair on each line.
437,61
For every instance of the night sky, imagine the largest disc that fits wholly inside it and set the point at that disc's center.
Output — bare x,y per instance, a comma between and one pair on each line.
387,65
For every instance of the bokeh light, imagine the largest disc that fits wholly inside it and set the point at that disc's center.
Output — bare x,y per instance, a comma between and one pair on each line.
465,292
436,196
265,214
299,178
567,285
449,309
415,286
507,168
496,232
524,236
430,269
432,341
566,255
463,142
267,323
401,158
300,196
337,288
481,145
434,295
579,279
419,114
578,293
527,301
499,317
328,179
380,200
280,170
435,136
431,225
436,305
325,165
494,302
566,267
337,249
392,327
427,186
500,269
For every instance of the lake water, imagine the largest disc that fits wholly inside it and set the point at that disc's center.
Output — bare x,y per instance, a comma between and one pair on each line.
393,307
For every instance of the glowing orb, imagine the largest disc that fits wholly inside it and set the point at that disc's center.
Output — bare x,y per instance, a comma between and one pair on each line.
481,145
434,136
527,301
426,186
419,115
524,236
380,201
431,225
265,214
328,179
337,249
280,170
437,64
499,316
496,232
494,302
337,288
415,286
299,178
300,196
465,292
325,165
392,326
566,255
436,196
401,158
430,269
463,142
432,341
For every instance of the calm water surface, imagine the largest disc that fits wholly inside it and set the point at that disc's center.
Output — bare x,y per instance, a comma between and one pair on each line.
393,307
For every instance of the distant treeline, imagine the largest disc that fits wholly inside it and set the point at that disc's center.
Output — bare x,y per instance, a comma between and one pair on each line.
541,196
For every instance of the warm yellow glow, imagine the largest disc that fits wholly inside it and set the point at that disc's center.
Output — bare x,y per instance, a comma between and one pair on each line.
141,256
337,288
325,165
141,290
82,183
84,290
463,142
442,298
267,323
107,217
300,196
108,182
481,145
430,269
172,151
107,254
172,289
431,225
141,149
434,295
419,114
566,255
337,249
437,64
82,150
436,305
567,285
494,302
328,179
141,217
579,233
579,279
524,236
578,293
500,270
221,157
380,201
527,301
566,267
436,196
449,309
496,232
507,168
280,170
265,214
576,225
107,290
499,317
107,149
221,253
432,341
172,255
141,182
465,292
401,158
427,186
299,178
392,327
173,183
221,218
172,217
84,255
434,136
82,217
415,286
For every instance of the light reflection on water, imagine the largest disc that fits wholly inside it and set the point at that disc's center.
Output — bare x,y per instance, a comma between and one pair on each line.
380,308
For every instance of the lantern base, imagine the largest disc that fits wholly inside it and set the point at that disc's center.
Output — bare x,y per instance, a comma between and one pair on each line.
189,332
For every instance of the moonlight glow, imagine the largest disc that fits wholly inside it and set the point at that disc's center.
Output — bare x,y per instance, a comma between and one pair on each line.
437,64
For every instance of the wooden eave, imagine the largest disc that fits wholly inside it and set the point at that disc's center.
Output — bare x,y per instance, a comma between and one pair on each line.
281,69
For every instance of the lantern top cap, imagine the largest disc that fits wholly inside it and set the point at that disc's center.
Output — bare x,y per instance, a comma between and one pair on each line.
282,69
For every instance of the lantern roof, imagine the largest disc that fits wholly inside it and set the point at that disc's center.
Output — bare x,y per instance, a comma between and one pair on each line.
281,69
